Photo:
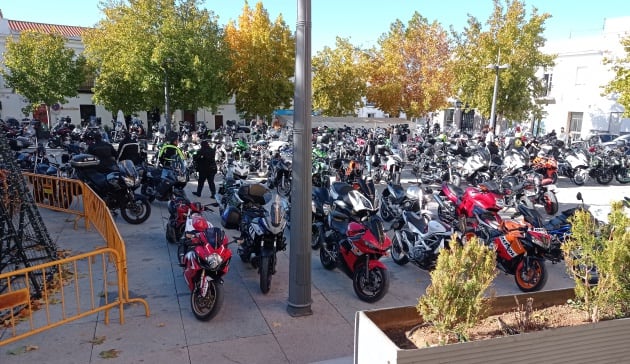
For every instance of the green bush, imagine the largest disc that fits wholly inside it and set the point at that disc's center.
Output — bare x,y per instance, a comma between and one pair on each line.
606,248
455,301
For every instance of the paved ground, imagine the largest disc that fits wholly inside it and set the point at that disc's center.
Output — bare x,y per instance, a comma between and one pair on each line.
251,327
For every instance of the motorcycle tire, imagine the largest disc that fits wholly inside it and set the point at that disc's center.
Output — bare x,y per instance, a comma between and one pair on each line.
398,256
137,211
550,203
206,307
456,179
579,177
314,237
370,285
623,176
385,212
266,271
533,278
170,233
378,175
605,176
327,256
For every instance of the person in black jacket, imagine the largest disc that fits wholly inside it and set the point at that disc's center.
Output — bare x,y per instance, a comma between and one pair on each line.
207,168
131,151
105,153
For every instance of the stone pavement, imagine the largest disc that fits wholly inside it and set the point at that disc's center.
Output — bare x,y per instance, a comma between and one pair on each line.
251,327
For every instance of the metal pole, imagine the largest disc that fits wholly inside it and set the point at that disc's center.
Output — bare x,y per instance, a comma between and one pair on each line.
299,303
493,122
167,106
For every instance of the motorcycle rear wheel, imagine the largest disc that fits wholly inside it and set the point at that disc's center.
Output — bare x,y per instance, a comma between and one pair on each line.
605,176
206,307
370,285
266,271
137,211
532,278
398,256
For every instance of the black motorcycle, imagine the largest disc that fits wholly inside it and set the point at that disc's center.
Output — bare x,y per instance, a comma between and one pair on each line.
116,188
161,183
280,175
320,205
395,200
262,230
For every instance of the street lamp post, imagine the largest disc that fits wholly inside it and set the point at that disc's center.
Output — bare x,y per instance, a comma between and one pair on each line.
167,106
496,67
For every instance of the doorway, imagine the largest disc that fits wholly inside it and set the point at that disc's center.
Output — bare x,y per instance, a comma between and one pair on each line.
88,112
218,122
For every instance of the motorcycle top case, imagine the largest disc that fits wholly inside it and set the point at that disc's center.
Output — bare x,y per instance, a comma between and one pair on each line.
84,161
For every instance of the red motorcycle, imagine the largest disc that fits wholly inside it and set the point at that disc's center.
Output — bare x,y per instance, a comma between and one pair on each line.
179,208
359,252
205,257
457,204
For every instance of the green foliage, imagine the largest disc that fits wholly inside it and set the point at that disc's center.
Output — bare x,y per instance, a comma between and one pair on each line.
39,67
455,302
621,83
411,72
608,249
140,45
263,62
512,39
339,79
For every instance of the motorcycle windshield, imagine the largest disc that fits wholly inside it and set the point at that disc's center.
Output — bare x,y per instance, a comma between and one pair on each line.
375,226
127,168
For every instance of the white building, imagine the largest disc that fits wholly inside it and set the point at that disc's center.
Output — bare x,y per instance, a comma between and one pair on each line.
82,106
575,84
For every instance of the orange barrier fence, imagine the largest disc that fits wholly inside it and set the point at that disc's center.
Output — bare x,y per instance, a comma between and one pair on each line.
57,193
75,273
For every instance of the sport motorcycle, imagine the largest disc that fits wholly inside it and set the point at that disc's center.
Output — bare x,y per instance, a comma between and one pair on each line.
205,257
358,254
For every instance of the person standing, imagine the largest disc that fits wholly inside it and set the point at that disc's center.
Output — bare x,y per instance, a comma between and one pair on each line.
564,137
207,168
105,153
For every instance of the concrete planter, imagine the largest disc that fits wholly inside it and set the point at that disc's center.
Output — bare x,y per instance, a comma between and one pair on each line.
602,342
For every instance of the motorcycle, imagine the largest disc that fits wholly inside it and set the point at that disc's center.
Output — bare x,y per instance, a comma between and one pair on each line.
455,203
163,182
205,257
390,168
179,209
358,253
262,230
395,200
520,251
60,133
159,133
280,175
116,188
575,165
320,206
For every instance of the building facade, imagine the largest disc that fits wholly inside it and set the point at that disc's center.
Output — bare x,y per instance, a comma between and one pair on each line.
575,98
82,107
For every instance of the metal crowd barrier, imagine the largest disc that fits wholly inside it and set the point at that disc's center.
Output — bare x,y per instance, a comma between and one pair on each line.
90,276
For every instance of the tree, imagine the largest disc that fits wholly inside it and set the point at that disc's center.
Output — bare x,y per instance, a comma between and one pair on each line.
513,40
39,67
339,80
263,62
411,71
621,83
139,48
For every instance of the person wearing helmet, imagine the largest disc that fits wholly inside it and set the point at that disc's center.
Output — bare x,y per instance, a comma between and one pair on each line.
170,151
105,153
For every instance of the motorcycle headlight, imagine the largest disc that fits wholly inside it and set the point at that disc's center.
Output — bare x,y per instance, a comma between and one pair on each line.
313,207
326,208
214,260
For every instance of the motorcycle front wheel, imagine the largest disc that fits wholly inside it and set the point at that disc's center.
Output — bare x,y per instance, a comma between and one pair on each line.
327,256
284,185
266,271
370,285
579,176
148,192
398,255
136,211
530,276
623,176
206,307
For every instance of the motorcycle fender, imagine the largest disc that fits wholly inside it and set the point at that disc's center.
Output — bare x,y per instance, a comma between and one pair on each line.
267,252
138,196
373,263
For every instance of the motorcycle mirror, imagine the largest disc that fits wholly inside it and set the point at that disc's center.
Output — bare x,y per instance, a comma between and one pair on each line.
579,196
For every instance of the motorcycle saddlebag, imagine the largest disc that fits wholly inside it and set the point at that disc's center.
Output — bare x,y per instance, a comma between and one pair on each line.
84,161
231,218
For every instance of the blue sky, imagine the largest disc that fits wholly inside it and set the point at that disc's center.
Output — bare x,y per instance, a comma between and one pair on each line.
362,21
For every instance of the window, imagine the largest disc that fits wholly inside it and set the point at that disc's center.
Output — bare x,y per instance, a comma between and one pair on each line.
575,125
581,75
547,79
449,115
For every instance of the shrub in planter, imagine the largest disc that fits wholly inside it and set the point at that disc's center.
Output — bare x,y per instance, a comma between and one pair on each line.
608,249
455,301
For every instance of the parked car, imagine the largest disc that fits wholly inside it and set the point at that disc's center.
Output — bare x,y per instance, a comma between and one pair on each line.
601,138
612,143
